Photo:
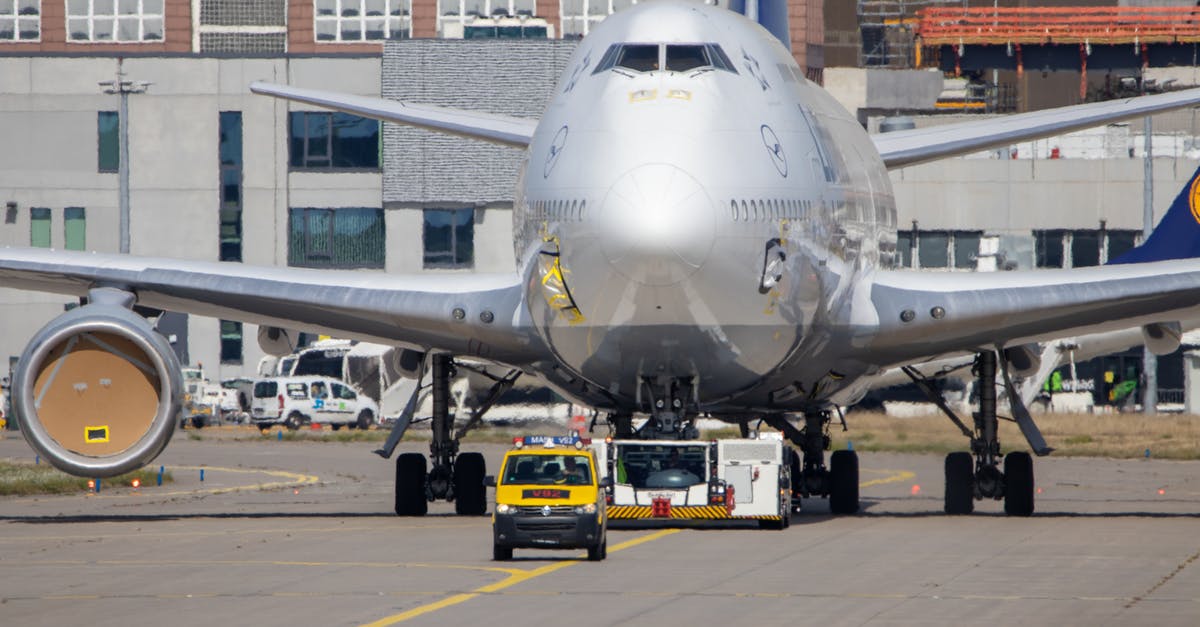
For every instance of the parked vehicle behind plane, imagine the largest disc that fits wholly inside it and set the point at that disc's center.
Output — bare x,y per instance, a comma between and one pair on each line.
298,401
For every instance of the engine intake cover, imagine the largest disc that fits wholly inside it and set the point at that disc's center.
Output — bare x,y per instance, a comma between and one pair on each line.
98,391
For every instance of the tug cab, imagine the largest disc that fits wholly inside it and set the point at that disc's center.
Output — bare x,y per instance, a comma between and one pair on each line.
549,495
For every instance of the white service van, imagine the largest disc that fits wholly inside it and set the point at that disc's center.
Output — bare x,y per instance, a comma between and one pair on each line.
298,401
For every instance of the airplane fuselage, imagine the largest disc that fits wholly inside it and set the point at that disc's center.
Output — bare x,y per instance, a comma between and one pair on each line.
710,224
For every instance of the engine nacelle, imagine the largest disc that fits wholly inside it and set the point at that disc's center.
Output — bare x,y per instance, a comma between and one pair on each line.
1162,338
276,342
1023,360
407,362
98,391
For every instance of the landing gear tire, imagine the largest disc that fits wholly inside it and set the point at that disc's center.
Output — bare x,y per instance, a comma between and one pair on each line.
410,485
470,494
335,426
598,552
294,420
365,420
501,553
1018,484
843,482
960,483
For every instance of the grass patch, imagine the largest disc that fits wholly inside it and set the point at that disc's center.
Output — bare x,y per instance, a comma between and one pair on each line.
24,479
1169,436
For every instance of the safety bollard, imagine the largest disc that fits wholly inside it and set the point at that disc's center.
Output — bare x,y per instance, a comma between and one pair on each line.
37,460
849,445
97,486
202,475
160,474
279,435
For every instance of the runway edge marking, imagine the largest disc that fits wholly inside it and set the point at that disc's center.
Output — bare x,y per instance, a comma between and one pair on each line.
513,579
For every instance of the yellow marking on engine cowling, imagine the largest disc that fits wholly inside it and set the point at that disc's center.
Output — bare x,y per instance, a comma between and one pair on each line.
679,94
95,435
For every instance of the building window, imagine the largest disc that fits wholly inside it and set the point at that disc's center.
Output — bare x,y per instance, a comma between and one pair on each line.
20,20
938,249
904,249
449,238
340,21
333,141
74,228
1088,247
336,238
39,227
1048,248
230,154
1119,243
485,18
108,140
115,21
231,342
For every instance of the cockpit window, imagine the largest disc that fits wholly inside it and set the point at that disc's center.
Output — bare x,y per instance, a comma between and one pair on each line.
684,58
639,57
679,58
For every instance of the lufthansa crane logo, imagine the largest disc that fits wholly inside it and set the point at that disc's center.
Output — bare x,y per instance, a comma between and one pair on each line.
771,141
556,148
1194,199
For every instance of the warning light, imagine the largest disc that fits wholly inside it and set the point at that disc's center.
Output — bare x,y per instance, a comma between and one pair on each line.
916,489
137,483
295,491
1039,490
1161,491
91,484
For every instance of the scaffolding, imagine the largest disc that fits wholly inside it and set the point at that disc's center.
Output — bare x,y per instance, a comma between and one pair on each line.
1017,29
887,28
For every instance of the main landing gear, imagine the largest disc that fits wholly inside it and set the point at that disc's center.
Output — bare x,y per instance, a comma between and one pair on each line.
452,476
977,475
838,482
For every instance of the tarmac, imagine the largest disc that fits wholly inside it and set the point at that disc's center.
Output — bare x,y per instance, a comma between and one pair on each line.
301,533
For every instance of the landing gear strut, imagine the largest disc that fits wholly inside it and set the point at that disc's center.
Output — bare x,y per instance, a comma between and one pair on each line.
838,481
967,482
453,476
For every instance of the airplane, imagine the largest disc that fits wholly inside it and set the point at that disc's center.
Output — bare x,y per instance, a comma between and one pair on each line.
699,231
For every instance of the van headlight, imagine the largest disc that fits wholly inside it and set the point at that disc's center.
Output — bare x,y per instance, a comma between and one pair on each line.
590,508
502,508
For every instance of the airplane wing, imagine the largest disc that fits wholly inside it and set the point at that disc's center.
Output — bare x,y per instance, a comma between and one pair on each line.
417,311
497,129
904,148
924,315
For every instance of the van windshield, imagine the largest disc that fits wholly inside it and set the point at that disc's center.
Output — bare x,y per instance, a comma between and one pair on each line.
265,389
566,469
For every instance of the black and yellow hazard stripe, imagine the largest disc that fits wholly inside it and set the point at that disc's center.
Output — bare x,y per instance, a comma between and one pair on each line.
690,512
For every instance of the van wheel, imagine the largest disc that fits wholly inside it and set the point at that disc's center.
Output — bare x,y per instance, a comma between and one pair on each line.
365,420
335,426
501,553
598,552
294,421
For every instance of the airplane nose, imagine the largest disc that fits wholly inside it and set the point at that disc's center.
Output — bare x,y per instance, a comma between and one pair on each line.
658,224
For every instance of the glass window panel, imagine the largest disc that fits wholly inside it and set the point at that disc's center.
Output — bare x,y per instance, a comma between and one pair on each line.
933,247
77,30
7,7
39,227
597,7
109,149
231,137
127,7
355,141
464,237
152,28
449,7
77,7
1120,242
617,5
351,30
351,8
74,228
474,7
27,7
102,29
8,28
375,30
375,7
127,29
231,342
639,57
152,7
571,8
1085,249
104,7
28,28
326,30
1048,249
904,249
317,135
326,7
966,250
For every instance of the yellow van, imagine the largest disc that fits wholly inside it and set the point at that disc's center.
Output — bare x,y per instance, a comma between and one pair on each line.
549,496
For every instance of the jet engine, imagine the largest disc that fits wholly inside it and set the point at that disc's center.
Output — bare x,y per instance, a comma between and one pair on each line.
1162,338
98,390
277,342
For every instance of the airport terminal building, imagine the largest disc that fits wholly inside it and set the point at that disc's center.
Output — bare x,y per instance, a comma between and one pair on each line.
217,173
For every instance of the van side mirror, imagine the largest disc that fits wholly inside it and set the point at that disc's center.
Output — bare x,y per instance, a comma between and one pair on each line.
489,481
606,482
